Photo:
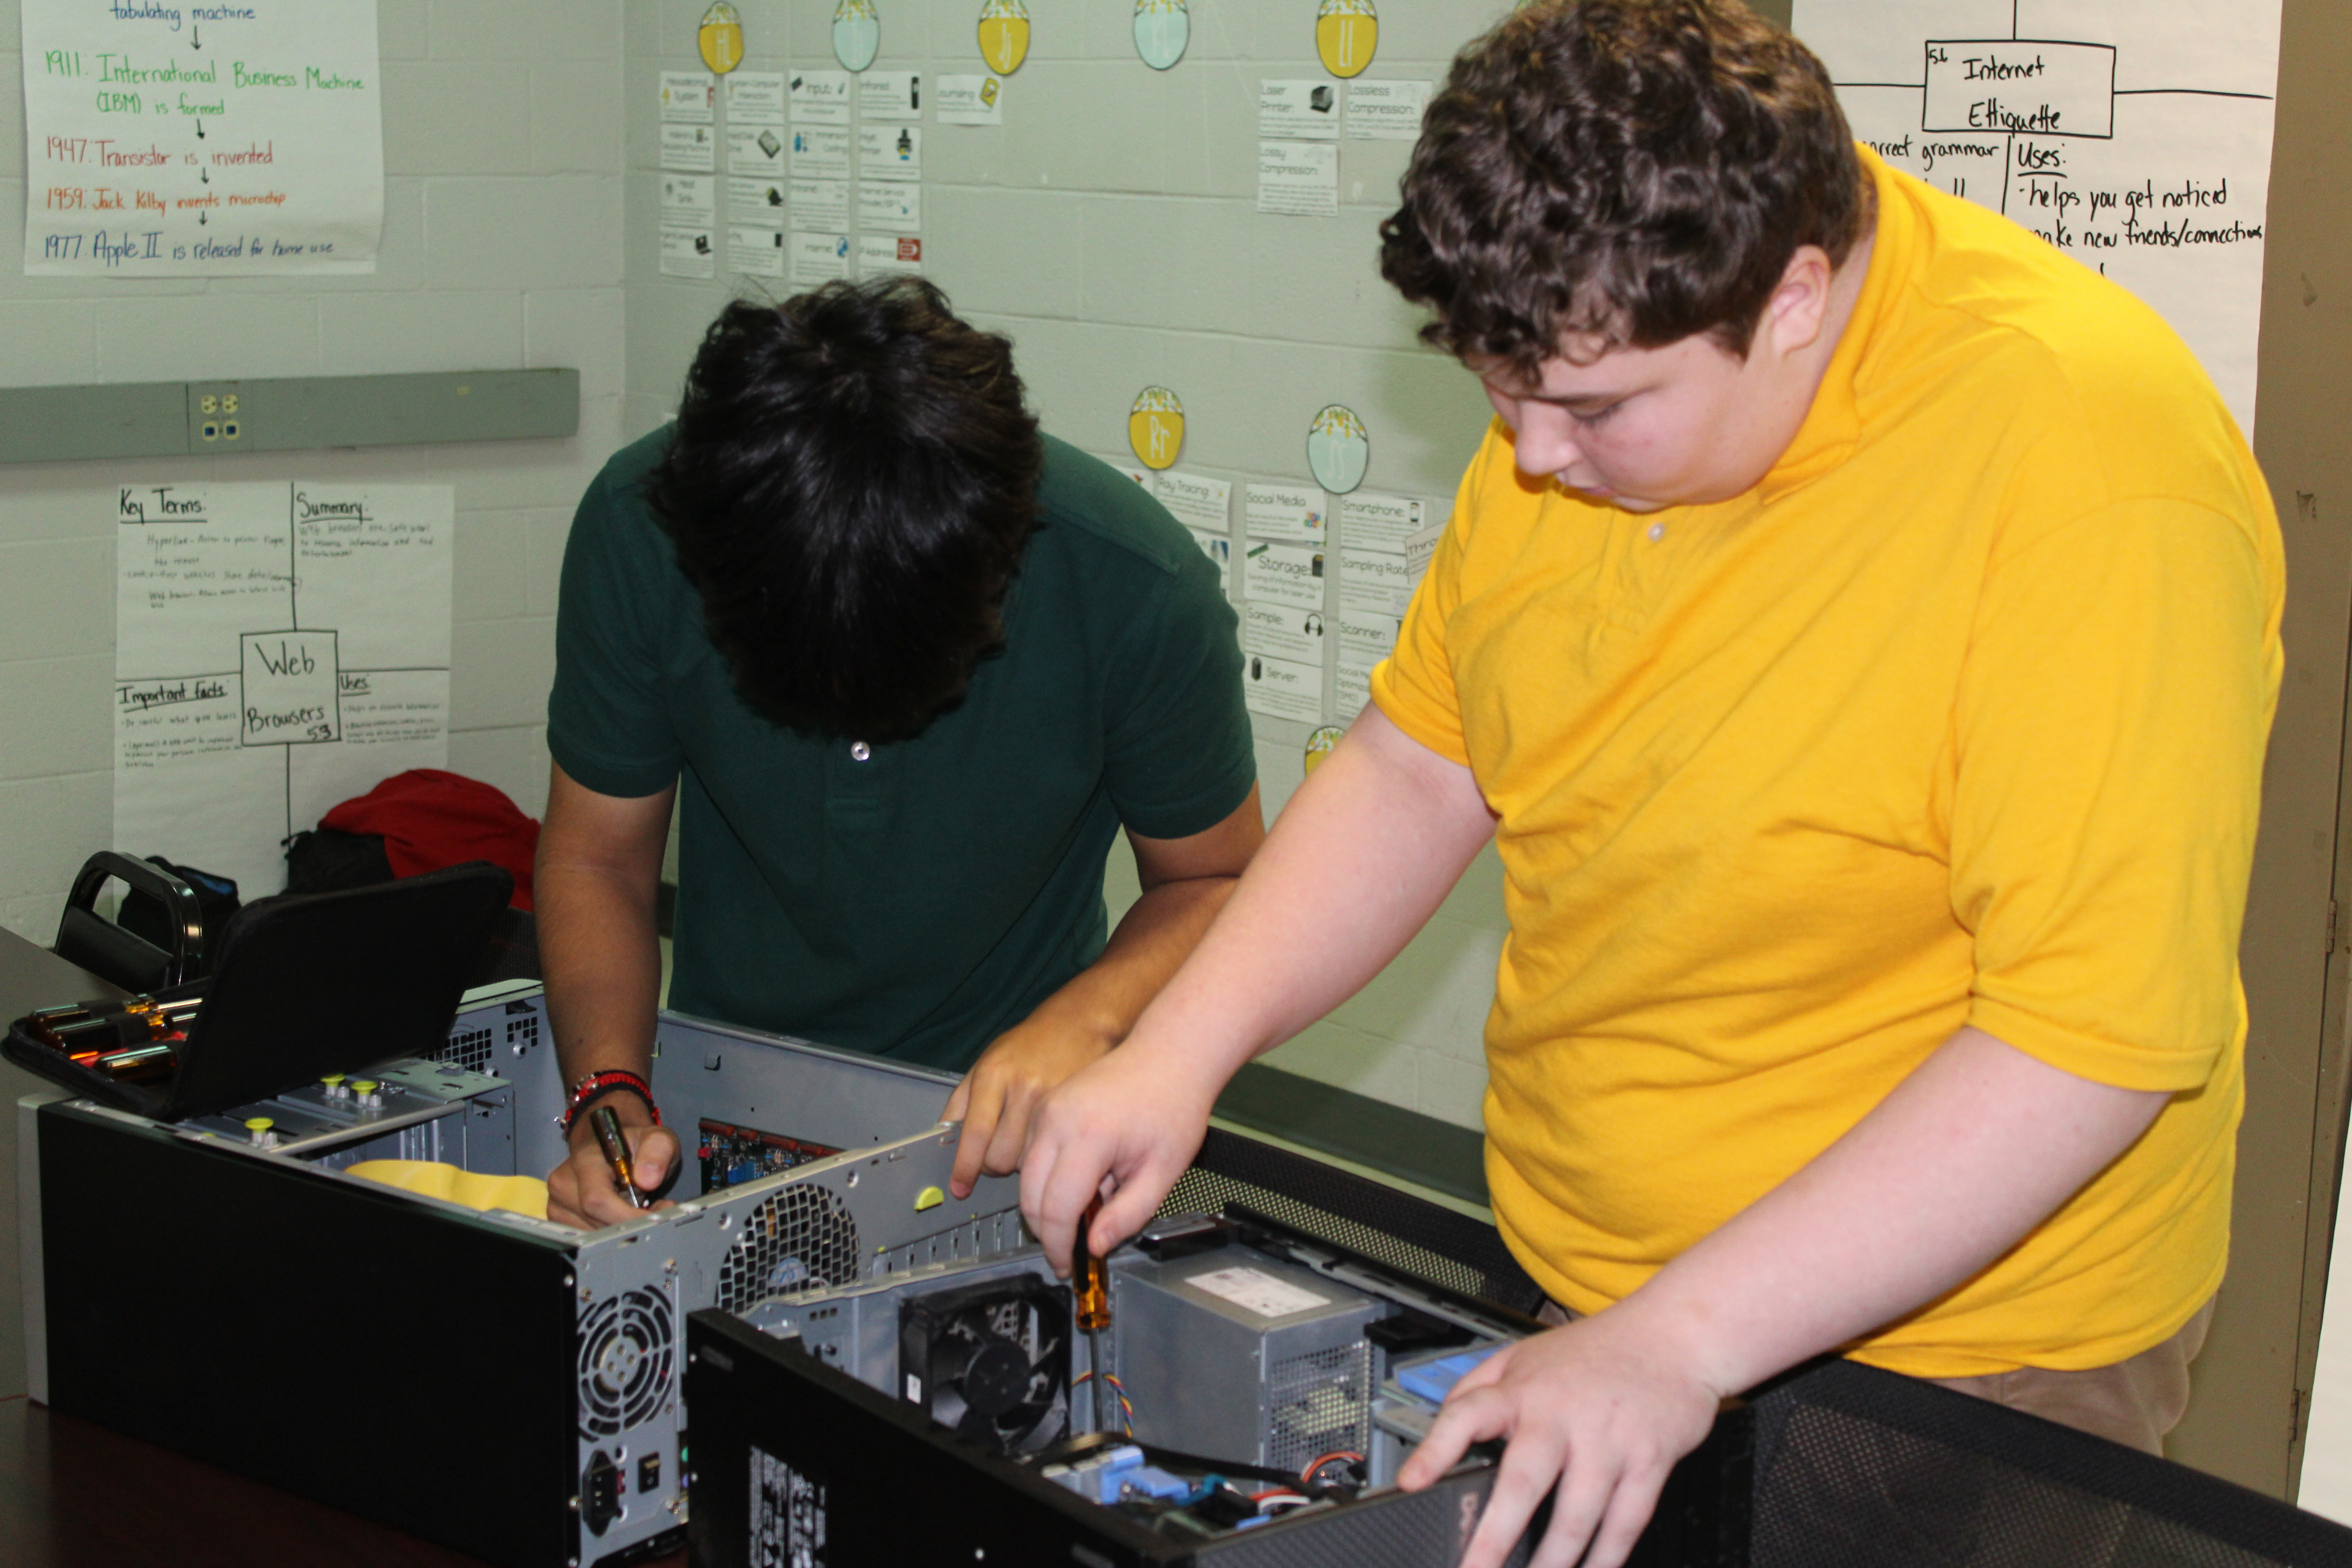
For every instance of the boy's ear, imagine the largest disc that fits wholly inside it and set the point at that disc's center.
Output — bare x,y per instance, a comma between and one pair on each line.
1800,305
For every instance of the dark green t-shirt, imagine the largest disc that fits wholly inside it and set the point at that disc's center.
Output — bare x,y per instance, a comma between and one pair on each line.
918,903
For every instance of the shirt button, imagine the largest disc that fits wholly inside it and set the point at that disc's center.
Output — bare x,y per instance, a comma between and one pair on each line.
859,750
1657,532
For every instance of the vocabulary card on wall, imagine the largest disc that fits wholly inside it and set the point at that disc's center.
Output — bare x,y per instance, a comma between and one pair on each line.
278,648
170,141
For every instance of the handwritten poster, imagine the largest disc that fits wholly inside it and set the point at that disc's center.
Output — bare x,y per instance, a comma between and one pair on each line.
2135,137
171,139
278,648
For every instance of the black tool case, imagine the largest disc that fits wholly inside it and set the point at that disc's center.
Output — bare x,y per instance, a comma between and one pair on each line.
305,985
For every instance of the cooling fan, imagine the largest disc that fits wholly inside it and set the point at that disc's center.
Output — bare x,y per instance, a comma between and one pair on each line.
628,1352
992,1361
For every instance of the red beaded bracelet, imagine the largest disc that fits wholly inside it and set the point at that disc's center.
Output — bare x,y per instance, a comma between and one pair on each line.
596,1085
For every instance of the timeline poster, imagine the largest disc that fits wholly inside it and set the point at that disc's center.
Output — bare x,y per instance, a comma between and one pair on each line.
278,648
166,140
2136,137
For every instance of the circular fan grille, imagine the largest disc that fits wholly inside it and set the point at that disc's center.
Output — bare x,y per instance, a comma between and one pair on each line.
801,1240
627,1355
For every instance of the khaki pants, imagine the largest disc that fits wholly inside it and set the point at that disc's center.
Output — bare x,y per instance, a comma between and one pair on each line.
2133,1401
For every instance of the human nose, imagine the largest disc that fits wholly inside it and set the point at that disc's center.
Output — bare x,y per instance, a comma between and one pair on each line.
1547,441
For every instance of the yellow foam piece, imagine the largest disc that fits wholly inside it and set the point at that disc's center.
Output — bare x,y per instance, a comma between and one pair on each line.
436,1179
928,1198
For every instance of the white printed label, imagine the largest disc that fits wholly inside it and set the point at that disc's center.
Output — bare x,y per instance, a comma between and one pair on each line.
1374,581
758,252
970,100
1386,111
687,97
686,196
1197,501
818,257
890,152
1378,522
820,204
885,253
755,150
1298,179
755,97
1354,691
1302,111
762,202
1257,1291
819,97
689,149
820,154
686,253
1286,574
895,207
1284,633
890,95
1284,512
1283,688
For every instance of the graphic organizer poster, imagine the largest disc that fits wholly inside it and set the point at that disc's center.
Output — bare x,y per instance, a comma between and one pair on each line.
278,648
2133,136
168,139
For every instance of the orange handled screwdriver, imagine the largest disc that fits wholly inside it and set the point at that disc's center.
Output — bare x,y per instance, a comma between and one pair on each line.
1090,1298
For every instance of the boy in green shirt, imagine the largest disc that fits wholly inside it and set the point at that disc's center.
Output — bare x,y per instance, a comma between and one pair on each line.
911,665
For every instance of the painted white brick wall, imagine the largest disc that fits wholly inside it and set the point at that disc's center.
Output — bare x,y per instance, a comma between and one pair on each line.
1109,228
501,249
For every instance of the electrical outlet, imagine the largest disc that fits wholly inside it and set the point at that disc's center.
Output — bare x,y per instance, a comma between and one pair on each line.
217,419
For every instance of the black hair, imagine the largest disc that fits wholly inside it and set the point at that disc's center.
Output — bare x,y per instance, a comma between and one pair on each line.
849,486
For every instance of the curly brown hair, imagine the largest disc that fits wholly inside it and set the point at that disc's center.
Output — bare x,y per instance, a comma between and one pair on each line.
1628,173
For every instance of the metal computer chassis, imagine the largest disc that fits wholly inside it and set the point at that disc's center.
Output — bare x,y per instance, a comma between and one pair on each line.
800,1465
502,1386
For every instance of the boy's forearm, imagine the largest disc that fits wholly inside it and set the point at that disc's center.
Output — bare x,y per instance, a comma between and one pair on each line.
600,954
1155,936
1967,1155
1356,863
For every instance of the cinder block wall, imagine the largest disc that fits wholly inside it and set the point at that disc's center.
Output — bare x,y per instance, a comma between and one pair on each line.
1109,228
501,250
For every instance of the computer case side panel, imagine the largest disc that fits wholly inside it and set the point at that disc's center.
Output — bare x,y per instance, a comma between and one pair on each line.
796,1463
381,1355
30,1273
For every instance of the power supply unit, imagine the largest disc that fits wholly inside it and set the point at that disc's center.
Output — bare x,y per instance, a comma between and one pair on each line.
1247,1356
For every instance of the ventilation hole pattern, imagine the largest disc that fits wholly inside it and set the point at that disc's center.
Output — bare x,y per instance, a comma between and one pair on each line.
469,1050
1319,1403
628,1354
1209,1192
522,1033
801,1240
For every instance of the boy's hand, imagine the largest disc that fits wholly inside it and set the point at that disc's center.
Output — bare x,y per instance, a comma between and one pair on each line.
582,1192
1001,1094
1125,1129
1594,1408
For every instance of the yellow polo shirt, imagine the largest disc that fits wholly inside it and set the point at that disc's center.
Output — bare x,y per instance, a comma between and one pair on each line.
1958,717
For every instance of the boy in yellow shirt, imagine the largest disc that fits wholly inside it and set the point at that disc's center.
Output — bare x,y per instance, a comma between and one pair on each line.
1859,632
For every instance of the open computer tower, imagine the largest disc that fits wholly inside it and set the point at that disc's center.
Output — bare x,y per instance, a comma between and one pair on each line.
501,1385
